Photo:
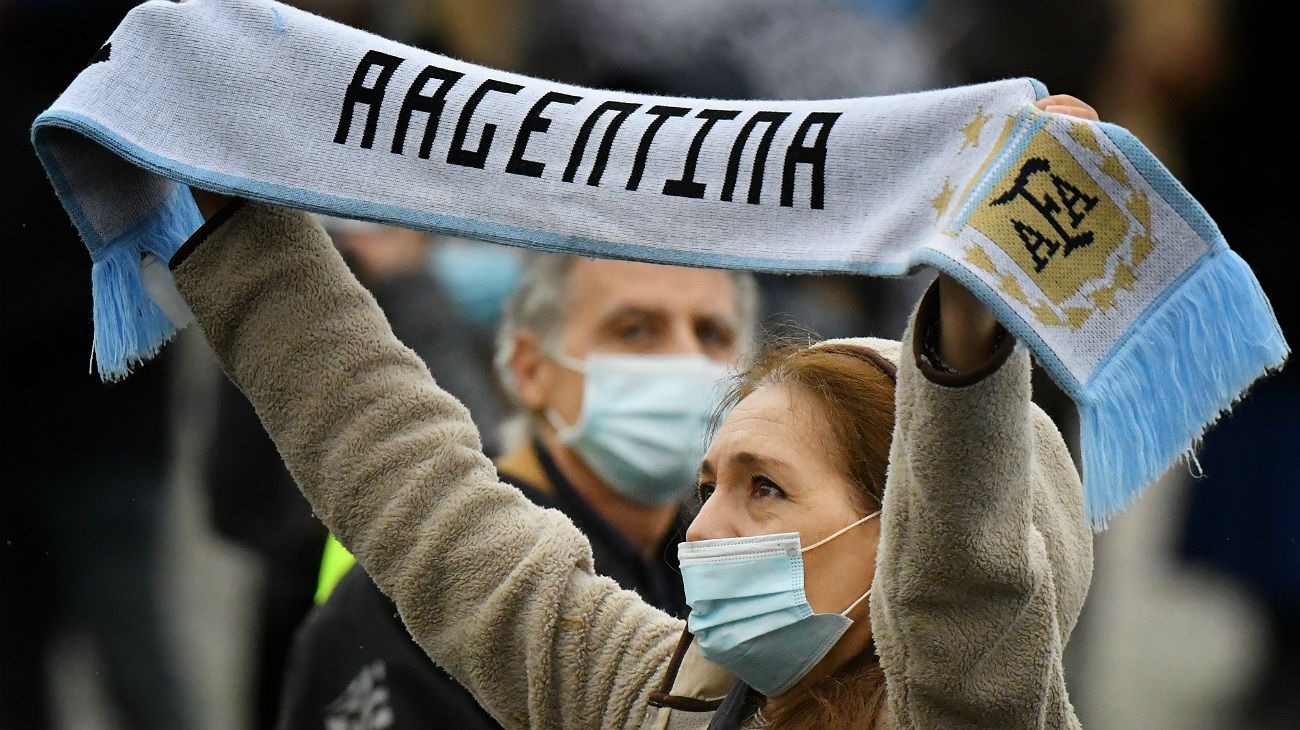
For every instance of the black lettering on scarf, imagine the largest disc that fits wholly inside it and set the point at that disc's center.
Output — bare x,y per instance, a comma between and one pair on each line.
535,122
798,154
432,102
661,114
104,53
687,186
476,158
431,105
621,109
372,96
773,120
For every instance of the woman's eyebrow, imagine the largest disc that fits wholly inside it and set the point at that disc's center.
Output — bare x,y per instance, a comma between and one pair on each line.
751,459
706,469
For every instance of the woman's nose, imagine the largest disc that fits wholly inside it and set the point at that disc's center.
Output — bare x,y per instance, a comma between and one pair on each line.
713,521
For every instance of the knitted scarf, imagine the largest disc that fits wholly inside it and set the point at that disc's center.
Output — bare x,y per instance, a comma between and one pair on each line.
1080,241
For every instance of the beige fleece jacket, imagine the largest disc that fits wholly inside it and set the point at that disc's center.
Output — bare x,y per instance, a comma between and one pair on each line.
984,561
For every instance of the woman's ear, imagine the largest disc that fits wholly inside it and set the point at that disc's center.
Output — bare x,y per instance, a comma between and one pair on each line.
532,371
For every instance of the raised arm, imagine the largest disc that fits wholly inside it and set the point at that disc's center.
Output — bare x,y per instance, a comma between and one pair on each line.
498,591
985,556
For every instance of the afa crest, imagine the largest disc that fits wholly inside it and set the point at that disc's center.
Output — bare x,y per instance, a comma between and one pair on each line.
1070,236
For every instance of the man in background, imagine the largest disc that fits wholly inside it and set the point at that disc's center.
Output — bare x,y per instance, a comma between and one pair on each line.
614,366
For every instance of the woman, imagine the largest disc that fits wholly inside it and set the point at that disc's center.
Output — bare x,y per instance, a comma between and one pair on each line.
979,563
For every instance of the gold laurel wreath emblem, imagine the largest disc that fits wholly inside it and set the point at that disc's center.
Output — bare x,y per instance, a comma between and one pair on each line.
1058,225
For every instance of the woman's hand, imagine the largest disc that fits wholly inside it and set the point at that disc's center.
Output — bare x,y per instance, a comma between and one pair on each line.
1068,105
967,329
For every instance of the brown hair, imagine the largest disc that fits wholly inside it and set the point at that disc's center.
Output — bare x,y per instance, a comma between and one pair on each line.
853,387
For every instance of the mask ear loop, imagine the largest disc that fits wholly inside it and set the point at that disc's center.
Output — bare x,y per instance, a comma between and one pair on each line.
854,605
569,362
834,535
566,360
839,532
562,429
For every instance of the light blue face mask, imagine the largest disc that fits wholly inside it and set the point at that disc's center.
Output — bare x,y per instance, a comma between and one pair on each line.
643,421
748,608
477,277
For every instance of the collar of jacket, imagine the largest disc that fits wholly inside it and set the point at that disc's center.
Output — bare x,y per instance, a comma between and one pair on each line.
523,465
534,461
692,683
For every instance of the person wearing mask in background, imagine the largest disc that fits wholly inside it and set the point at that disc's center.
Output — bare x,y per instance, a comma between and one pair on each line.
615,367
251,497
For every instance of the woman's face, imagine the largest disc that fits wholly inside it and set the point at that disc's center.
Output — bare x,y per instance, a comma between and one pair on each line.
771,469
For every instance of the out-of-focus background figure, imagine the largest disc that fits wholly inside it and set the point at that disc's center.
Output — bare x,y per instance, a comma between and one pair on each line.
155,559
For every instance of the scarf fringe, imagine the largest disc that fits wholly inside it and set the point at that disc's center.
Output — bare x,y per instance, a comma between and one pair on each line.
1186,364
129,327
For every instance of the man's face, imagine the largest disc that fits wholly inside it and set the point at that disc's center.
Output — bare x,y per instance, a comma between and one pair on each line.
627,307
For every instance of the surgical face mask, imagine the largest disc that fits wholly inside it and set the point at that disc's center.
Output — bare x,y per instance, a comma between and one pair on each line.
643,421
748,608
477,277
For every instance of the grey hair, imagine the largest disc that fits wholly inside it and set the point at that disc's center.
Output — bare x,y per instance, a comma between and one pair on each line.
540,305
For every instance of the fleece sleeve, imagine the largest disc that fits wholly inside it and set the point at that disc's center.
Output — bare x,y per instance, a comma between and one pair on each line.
498,591
985,556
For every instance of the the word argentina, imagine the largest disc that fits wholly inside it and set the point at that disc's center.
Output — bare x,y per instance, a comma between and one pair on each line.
431,103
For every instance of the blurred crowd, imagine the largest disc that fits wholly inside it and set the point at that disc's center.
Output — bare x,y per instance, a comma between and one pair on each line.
158,568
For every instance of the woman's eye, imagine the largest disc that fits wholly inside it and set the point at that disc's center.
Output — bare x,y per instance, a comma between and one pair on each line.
704,491
764,488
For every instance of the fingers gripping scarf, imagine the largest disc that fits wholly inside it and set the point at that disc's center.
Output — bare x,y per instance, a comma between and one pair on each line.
1071,231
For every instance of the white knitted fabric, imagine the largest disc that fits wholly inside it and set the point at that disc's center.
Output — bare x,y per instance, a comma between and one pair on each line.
1073,233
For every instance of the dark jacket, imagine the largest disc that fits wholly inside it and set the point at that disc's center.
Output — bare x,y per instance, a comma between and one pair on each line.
354,666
